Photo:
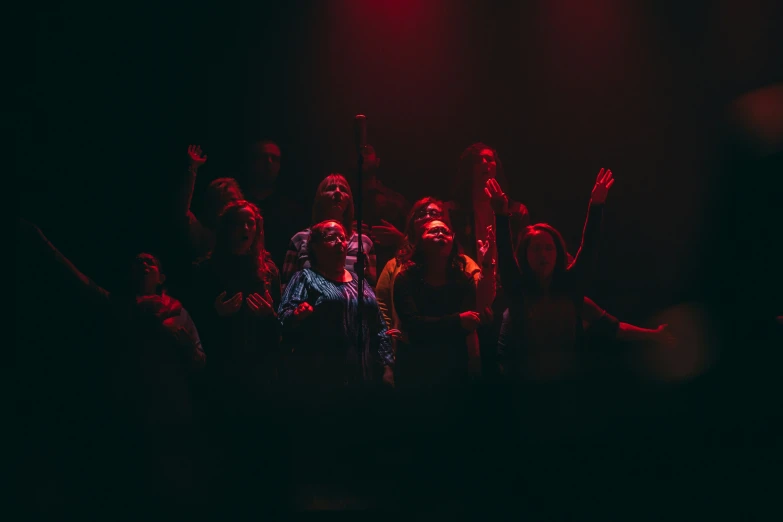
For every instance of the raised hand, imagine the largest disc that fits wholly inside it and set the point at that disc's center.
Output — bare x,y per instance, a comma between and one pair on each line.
230,307
386,234
469,320
259,306
303,311
196,159
486,246
603,183
497,199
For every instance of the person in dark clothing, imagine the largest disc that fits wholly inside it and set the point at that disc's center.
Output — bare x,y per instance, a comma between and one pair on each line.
384,209
435,300
235,293
474,224
153,349
283,215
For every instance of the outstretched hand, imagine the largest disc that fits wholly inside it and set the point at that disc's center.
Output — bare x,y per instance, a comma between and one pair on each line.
497,199
603,183
195,156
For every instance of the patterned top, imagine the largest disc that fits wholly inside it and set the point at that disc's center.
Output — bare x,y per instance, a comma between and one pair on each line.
325,342
296,256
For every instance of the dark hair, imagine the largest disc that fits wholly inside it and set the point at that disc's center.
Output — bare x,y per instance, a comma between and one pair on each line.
463,188
317,236
223,236
319,204
417,262
561,262
406,250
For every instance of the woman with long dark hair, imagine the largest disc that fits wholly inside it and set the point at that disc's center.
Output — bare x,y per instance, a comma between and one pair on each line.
236,292
435,300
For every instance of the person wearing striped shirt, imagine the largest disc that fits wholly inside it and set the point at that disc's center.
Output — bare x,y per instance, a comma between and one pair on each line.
333,200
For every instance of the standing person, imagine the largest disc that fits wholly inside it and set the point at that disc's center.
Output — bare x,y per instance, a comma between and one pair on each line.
474,223
423,211
152,350
283,215
333,200
330,377
236,291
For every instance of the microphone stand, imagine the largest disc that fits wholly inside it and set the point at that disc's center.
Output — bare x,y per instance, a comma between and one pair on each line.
358,200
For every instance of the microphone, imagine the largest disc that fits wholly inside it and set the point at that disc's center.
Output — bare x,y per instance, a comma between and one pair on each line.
360,131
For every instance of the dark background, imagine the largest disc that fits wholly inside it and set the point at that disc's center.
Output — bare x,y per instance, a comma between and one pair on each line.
560,89
114,94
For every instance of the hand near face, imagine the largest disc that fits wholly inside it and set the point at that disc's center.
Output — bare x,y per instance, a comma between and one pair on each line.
497,198
386,234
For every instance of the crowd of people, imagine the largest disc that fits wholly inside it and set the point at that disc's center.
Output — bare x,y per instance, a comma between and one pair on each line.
264,343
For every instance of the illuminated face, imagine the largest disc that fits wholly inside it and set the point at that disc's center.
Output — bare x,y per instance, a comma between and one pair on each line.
542,254
337,194
332,248
425,215
244,231
146,274
485,165
437,237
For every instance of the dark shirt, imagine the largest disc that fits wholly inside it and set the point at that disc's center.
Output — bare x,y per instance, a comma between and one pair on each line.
436,353
541,333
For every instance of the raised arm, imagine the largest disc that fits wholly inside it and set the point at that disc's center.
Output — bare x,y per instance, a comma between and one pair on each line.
508,270
185,195
585,256
57,263
418,325
601,324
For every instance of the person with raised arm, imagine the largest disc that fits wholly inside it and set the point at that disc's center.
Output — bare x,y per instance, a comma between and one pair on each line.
200,233
544,326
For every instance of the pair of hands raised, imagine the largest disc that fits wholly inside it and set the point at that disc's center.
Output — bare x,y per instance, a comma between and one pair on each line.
499,201
260,306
